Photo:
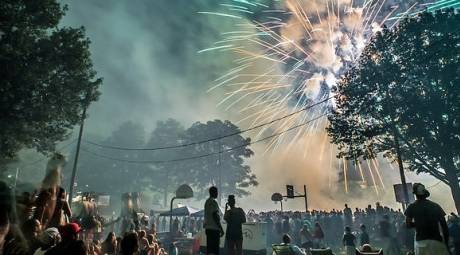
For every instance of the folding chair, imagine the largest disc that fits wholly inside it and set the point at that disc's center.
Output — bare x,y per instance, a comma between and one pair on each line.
281,249
326,251
377,252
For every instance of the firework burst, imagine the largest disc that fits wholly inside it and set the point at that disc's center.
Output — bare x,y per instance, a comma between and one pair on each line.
290,54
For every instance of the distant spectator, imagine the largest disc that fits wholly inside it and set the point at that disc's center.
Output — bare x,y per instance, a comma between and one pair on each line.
348,216
348,241
318,236
363,235
109,246
294,248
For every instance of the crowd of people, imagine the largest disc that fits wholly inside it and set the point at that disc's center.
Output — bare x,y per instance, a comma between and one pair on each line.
43,223
421,229
30,236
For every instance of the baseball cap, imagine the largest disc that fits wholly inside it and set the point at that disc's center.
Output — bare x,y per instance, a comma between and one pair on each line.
70,229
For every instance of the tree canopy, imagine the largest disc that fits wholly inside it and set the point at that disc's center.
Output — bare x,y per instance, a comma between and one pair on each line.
161,171
405,95
47,76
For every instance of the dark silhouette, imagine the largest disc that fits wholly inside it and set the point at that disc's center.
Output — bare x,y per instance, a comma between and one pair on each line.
213,228
235,217
426,217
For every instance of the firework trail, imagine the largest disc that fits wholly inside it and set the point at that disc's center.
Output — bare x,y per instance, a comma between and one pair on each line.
291,53
304,46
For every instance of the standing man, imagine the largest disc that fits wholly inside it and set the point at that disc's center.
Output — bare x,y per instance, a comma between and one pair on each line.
212,226
348,216
426,217
235,217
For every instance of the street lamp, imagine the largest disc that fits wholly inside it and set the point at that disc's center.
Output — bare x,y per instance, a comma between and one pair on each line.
183,192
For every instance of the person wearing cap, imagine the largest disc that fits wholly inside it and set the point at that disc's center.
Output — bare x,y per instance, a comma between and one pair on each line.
48,239
70,244
426,216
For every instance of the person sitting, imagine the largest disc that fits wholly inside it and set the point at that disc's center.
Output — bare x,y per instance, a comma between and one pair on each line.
368,250
294,248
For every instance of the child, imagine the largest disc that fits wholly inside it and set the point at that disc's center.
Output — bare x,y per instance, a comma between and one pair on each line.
349,242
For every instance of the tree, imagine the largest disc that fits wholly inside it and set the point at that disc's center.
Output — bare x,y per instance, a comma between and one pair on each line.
225,168
47,77
99,172
166,176
403,98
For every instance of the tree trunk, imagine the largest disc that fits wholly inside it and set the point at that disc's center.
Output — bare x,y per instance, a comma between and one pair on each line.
454,187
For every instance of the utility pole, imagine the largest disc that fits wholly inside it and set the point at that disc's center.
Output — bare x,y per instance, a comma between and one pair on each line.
401,172
77,154
219,184
306,201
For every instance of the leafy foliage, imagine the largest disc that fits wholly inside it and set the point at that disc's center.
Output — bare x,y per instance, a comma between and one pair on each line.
405,95
233,176
200,172
47,77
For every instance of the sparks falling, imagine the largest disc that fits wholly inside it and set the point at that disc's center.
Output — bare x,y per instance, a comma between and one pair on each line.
290,54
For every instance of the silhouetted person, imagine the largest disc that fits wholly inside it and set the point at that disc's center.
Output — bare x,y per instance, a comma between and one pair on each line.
363,235
129,244
348,216
212,226
454,232
235,217
426,217
349,241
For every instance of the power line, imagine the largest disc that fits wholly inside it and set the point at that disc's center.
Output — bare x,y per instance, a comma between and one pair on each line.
204,155
45,158
206,140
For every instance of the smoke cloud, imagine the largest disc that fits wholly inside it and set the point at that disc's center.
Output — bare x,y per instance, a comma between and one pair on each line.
147,53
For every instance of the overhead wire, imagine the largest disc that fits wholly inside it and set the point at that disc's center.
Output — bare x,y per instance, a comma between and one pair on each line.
203,155
46,158
206,140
